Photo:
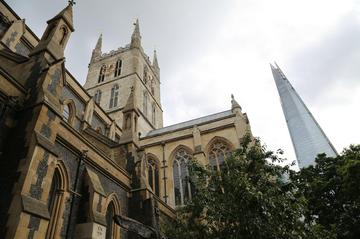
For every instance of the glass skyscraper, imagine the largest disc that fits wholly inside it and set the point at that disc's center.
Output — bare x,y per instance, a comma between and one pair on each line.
306,134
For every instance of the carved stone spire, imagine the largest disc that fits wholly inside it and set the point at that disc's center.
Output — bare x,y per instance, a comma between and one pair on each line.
155,60
56,35
97,50
99,43
155,65
136,37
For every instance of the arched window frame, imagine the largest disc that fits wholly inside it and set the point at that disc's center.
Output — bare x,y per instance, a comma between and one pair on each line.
118,68
63,32
145,103
97,97
218,150
181,156
113,200
69,111
102,74
114,96
153,174
57,197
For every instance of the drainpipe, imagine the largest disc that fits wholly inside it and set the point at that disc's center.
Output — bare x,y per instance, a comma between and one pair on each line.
82,156
164,168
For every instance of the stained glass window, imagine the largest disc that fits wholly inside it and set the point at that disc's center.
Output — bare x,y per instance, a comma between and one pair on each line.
182,188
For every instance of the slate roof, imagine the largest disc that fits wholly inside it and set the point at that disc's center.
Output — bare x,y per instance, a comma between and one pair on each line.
191,123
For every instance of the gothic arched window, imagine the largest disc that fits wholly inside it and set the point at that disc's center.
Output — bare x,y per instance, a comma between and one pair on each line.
182,188
114,96
153,113
68,112
110,212
55,201
218,152
118,68
63,32
153,175
102,74
145,103
53,194
97,97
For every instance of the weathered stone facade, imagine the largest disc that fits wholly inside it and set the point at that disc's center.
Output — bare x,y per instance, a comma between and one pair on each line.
70,161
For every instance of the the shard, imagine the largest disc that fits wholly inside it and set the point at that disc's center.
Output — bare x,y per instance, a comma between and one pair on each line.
307,137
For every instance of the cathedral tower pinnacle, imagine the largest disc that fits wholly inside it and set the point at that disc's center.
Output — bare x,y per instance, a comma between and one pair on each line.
136,37
111,75
57,34
97,50
155,64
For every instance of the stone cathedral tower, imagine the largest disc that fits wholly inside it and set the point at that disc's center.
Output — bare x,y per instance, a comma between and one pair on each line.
113,76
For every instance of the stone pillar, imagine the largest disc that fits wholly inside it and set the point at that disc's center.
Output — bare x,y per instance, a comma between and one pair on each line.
35,135
199,153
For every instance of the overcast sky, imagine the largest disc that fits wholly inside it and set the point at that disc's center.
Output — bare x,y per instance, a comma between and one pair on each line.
210,49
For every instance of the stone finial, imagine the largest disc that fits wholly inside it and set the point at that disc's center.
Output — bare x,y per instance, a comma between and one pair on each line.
234,104
97,50
72,2
99,43
155,61
67,15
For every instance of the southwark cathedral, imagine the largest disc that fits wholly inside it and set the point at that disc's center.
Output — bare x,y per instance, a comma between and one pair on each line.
94,160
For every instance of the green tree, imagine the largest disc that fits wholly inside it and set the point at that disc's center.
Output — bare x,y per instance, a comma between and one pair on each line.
332,190
248,198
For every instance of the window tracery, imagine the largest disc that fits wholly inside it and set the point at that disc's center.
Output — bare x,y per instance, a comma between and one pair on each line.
183,189
218,152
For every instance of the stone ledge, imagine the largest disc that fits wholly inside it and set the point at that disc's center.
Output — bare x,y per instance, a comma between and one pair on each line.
35,207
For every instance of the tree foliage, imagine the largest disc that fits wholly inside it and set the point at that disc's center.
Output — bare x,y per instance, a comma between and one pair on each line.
253,197
332,190
248,198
